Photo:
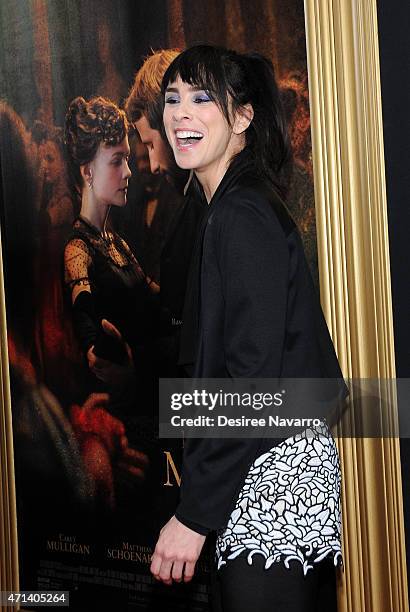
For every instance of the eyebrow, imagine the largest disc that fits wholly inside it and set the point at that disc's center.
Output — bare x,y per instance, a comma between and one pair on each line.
120,154
190,88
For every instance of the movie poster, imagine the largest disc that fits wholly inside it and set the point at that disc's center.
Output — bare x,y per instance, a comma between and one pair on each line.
94,482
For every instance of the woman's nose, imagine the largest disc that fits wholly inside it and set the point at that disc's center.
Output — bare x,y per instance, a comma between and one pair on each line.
182,111
127,170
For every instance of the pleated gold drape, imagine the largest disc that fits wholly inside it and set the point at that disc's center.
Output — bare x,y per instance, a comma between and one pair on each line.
350,197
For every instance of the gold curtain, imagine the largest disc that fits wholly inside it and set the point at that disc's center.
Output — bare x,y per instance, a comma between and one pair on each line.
354,267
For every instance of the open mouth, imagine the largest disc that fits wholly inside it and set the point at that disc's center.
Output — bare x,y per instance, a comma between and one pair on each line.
187,137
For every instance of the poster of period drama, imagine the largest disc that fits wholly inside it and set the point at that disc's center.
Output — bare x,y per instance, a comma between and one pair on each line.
94,482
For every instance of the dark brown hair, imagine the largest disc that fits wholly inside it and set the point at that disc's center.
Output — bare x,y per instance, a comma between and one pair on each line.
87,125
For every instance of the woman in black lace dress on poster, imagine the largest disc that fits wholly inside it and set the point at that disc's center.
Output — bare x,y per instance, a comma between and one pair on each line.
106,282
112,299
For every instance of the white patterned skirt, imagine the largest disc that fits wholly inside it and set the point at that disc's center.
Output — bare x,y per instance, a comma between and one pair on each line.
289,506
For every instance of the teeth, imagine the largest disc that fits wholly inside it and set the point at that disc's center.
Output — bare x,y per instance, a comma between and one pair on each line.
188,134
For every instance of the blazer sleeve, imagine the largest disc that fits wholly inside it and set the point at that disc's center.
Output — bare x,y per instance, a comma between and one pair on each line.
253,259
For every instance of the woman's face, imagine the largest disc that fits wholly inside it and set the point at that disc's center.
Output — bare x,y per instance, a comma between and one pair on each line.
110,173
198,132
52,164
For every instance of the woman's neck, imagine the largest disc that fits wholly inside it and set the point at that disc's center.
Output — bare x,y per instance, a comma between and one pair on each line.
211,176
210,179
96,214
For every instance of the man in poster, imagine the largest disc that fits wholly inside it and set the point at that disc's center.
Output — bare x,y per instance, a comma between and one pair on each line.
144,109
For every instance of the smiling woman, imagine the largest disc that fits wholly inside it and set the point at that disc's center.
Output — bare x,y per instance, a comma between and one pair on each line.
201,137
250,312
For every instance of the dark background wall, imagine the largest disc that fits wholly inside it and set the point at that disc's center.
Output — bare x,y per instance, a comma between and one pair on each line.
394,41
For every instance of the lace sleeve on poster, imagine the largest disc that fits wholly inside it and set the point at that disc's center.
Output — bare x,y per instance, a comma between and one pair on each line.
76,264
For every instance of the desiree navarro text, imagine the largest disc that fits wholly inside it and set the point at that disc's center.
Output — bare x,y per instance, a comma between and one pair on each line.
242,421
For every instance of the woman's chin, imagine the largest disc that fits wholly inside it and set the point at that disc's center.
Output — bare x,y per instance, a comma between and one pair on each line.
120,202
184,163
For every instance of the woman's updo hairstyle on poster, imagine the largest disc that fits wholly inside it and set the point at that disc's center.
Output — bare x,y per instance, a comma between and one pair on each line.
245,79
87,125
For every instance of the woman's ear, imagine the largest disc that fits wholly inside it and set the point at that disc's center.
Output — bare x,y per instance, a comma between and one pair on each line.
243,118
87,175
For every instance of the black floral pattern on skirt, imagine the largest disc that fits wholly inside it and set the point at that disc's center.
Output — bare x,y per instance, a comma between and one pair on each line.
289,506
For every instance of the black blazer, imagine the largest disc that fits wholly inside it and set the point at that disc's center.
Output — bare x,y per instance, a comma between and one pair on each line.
251,310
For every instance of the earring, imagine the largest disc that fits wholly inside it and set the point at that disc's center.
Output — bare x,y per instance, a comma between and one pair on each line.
90,181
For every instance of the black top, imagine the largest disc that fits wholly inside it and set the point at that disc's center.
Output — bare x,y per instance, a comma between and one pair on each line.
251,310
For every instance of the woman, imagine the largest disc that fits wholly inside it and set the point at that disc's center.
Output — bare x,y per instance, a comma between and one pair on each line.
251,311
105,280
57,203
110,294
54,338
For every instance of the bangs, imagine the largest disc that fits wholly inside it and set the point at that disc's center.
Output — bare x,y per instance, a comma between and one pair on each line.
203,67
